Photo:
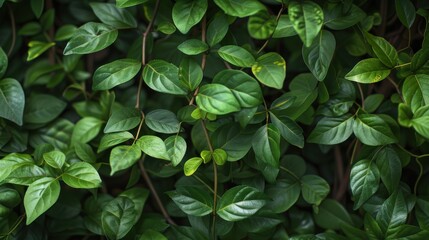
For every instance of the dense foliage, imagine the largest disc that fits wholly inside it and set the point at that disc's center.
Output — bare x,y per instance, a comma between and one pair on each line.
214,119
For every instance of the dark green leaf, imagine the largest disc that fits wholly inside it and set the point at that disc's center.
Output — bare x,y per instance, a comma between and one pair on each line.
235,141
192,201
65,32
176,148
3,62
393,213
118,217
370,70
193,47
314,189
81,175
163,77
12,100
332,130
372,102
152,235
123,119
383,50
37,7
109,14
217,99
162,121
187,13
270,70
123,157
115,73
190,73
415,91
389,165
236,55
266,145
373,130
129,3
406,12
240,8
332,215
217,29
319,54
337,19
84,152
42,108
112,139
420,121
289,129
284,194
364,181
307,19
284,28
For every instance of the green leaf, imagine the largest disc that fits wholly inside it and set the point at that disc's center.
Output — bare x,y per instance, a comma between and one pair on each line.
240,8
30,29
176,148
123,157
332,130
81,175
129,3
162,121
65,32
307,19
36,48
217,29
289,129
393,213
220,156
390,167
86,129
193,47
420,121
373,130
138,196
12,100
115,73
332,215
43,108
85,153
383,50
40,196
343,16
284,28
415,91
117,217
206,155
192,201
261,25
364,181
153,146
369,70
187,13
314,189
217,99
270,70
373,101
239,203
122,119
55,159
266,145
37,7
406,12
245,88
112,139
235,141
191,165
319,54
152,235
91,37
190,73
109,14
163,77
236,55
3,63
284,194
404,115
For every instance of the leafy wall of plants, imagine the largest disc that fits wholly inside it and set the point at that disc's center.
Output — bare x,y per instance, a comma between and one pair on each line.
214,119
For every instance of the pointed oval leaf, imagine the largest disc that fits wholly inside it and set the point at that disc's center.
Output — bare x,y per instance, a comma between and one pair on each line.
187,13
113,16
393,213
190,73
81,175
115,73
123,157
176,148
383,50
43,108
240,8
192,201
406,12
36,48
390,167
217,99
162,121
270,70
307,19
12,100
129,3
122,119
163,77
193,47
217,29
415,91
369,70
420,121
236,55
284,194
332,130
332,215
153,146
364,181
314,189
191,165
55,159
86,129
289,129
266,145
112,139
284,27
117,217
373,130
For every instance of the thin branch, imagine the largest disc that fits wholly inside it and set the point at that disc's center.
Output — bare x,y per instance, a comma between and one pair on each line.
139,128
279,14
12,22
206,134
361,96
204,57
420,175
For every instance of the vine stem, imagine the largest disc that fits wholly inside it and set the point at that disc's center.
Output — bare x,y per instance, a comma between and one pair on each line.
153,191
204,57
279,14
144,40
420,175
12,22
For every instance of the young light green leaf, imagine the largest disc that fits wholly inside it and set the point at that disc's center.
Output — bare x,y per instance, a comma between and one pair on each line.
192,201
270,70
112,139
261,25
163,77
206,155
373,130
129,3
220,156
240,8
91,37
36,48
307,19
122,119
319,54
236,55
193,47
114,73
289,129
86,129
113,16
81,175
187,13
43,108
217,29
239,203
191,165
266,145
314,189
332,130
190,73
162,121
415,91
383,50
55,159
123,157
40,196
117,217
364,181
369,70
153,146
217,99
245,88
12,100
406,12
176,148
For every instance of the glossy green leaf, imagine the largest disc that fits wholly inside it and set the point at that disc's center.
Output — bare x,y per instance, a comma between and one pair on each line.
217,29
40,196
112,139
319,54
373,130
370,70
81,175
332,130
314,189
176,148
236,55
415,91
123,119
261,25
192,201
239,203
420,121
372,102
332,215
406,12
129,3
191,165
270,70
240,8
283,194
284,27
113,16
393,213
266,145
9,197
163,77
115,73
187,13
193,47
117,217
383,50
123,157
245,88
153,146
86,129
390,167
235,141
12,100
307,19
36,48
289,129
55,159
190,73
43,108
217,99
162,121
364,181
